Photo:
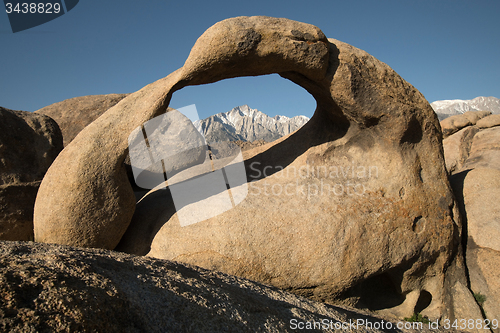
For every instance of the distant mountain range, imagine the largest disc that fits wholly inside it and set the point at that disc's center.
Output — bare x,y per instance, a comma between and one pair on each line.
447,108
247,124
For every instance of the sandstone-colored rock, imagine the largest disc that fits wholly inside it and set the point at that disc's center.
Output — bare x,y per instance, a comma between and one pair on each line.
464,300
452,124
257,45
482,264
477,192
28,145
485,150
475,116
457,148
245,145
95,202
473,146
51,288
455,123
374,228
250,239
481,193
74,114
489,121
472,157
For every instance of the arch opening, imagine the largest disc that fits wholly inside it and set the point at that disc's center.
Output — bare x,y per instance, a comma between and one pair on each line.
424,300
270,94
326,124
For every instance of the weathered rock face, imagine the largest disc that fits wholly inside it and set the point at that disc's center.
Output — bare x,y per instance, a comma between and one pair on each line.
453,124
74,114
29,143
355,207
473,160
54,288
94,202
473,146
489,121
481,193
478,191
485,150
484,275
457,148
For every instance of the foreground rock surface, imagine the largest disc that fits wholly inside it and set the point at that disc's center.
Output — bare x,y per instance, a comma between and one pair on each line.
56,288
376,230
29,143
74,114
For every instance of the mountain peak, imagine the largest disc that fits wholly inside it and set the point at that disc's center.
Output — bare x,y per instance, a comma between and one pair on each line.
247,124
446,108
244,110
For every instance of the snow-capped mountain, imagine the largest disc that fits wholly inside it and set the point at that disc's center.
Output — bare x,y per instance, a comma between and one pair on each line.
447,108
247,124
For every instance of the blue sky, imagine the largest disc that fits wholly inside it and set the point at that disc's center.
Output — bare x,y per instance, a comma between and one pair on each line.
446,49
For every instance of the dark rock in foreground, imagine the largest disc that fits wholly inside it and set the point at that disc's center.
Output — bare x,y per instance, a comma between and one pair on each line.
29,143
48,288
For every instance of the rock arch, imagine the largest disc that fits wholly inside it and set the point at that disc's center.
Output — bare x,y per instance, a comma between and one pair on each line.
93,186
366,115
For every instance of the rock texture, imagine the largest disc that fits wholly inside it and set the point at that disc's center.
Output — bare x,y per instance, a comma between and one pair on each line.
94,202
481,194
473,161
245,145
50,288
29,143
473,146
484,278
478,191
485,150
377,230
455,123
74,114
489,121
457,148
